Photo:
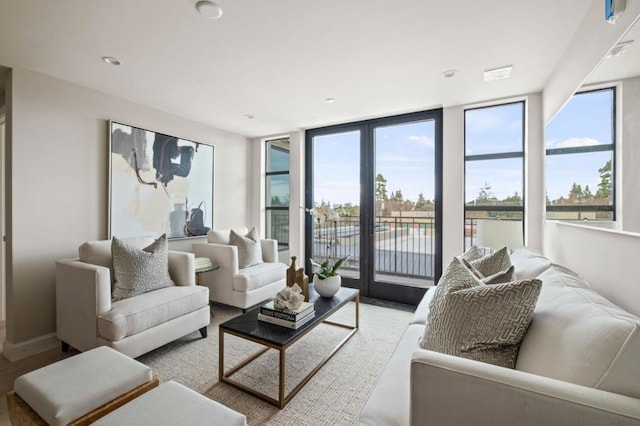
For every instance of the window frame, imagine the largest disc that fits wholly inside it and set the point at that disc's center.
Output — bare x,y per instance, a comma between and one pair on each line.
494,156
612,147
282,245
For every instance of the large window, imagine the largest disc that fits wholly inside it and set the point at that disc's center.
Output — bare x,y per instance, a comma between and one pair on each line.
494,181
277,191
580,166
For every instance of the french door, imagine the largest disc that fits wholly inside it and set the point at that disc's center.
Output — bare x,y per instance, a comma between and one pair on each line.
375,188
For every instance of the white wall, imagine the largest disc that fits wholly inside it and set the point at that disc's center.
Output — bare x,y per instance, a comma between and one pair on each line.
630,181
605,258
591,42
453,183
57,187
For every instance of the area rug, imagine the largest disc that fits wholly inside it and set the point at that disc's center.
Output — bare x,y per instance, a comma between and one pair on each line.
334,396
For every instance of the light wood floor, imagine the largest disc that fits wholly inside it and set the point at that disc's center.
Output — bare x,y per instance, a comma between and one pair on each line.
9,371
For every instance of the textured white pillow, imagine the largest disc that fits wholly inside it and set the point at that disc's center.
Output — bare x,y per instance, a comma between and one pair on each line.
249,248
221,236
138,271
482,322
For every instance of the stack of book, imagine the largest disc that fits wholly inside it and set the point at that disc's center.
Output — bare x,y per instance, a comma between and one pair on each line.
202,264
287,318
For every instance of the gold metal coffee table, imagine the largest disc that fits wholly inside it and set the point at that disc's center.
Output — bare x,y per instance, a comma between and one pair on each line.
272,336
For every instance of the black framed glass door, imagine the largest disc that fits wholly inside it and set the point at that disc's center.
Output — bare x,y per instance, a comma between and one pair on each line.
375,187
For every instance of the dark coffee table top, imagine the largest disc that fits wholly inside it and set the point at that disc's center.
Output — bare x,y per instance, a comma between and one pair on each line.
248,325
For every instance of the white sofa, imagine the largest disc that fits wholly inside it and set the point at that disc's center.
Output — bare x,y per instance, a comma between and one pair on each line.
579,364
87,317
233,286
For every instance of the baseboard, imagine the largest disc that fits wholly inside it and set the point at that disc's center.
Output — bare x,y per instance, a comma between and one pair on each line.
17,351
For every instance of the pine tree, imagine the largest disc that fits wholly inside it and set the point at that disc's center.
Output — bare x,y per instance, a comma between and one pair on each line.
605,185
576,192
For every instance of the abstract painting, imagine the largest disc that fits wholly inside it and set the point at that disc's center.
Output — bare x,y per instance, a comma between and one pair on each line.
158,184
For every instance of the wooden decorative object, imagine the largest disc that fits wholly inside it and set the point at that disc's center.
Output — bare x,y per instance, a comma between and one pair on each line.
21,414
297,276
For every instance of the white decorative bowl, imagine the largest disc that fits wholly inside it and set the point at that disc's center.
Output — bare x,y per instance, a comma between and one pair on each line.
327,287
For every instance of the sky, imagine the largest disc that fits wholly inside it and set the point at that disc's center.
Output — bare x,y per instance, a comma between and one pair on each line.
404,155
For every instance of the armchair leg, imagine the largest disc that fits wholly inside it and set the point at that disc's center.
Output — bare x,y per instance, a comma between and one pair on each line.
65,346
203,332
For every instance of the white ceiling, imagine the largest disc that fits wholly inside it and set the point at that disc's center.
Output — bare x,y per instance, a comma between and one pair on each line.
279,60
625,65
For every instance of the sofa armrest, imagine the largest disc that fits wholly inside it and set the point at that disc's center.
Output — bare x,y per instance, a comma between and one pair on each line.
182,268
220,254
83,292
269,250
448,390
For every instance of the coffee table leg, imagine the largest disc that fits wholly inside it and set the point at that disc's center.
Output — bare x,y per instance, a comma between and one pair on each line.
358,310
282,372
220,353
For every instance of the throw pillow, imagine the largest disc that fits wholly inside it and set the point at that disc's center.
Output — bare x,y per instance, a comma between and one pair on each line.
493,262
249,249
473,253
138,271
499,277
476,321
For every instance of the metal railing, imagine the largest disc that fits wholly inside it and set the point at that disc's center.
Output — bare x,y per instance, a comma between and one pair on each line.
403,246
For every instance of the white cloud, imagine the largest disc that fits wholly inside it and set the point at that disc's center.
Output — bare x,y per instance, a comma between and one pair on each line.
572,143
422,140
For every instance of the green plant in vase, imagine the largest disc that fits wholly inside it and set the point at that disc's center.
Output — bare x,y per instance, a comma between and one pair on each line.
326,279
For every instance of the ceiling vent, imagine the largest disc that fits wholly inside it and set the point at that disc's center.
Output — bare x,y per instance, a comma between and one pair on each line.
498,73
619,48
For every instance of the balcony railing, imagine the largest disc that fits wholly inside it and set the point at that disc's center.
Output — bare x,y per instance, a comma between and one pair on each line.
404,246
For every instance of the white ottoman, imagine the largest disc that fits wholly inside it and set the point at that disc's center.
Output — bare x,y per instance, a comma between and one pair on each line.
173,404
79,389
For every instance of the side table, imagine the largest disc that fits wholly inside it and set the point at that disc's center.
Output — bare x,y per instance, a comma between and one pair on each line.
199,273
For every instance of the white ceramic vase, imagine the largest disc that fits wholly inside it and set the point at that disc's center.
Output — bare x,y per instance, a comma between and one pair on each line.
327,287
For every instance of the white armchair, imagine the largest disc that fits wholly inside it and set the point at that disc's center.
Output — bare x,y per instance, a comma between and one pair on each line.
87,317
235,286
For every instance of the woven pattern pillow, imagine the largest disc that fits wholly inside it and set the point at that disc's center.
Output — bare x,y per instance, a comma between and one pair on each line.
249,249
492,263
138,271
476,321
499,277
474,253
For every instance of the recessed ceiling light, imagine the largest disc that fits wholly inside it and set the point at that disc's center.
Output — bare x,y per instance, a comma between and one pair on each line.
209,9
248,116
498,73
449,73
330,100
111,60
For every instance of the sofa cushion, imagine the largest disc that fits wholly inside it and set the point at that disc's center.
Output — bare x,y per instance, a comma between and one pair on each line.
249,248
422,310
258,276
482,322
389,402
528,263
559,276
136,314
139,271
580,337
221,236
